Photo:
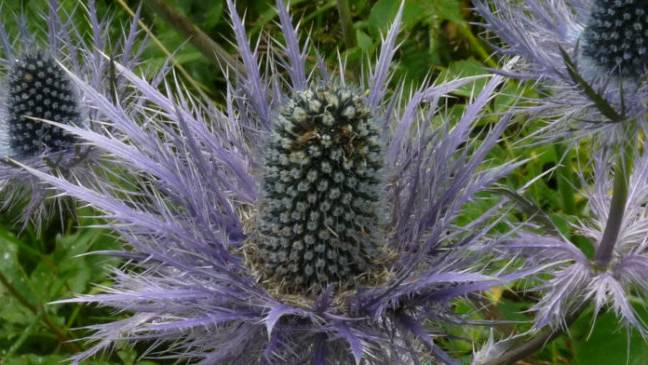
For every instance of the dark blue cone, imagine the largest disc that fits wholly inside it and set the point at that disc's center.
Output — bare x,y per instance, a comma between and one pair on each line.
616,36
39,88
322,191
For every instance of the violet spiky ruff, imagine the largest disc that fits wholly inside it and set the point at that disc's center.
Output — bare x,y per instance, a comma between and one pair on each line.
320,208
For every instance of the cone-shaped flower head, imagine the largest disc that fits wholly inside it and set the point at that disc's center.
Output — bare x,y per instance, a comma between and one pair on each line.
616,36
39,89
592,55
320,203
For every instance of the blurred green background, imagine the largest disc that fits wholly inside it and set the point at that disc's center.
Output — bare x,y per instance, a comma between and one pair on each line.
439,41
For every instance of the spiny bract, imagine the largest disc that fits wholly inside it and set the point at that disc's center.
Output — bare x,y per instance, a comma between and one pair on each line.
39,89
616,36
319,210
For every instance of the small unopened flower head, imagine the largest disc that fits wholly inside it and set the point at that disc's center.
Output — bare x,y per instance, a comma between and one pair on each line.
616,36
40,90
319,209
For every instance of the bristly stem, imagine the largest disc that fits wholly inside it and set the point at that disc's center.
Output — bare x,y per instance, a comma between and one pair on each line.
622,172
476,45
603,255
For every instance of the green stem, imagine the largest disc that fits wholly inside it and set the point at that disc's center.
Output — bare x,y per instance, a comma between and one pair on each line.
347,25
622,172
602,256
476,45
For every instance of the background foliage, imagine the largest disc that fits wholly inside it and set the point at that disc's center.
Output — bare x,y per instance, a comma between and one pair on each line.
439,41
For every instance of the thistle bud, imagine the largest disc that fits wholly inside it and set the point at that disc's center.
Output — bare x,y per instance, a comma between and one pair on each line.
39,89
616,37
321,193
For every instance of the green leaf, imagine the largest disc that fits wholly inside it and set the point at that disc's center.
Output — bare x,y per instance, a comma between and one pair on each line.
365,43
608,344
381,16
447,10
10,267
463,68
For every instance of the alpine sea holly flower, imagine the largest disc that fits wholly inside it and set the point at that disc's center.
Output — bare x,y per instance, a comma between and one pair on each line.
37,89
592,54
306,222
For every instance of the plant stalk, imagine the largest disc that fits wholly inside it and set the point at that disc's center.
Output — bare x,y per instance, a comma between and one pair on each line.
622,172
210,49
347,24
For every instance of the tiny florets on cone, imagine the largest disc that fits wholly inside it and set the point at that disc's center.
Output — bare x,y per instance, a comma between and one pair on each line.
319,208
39,89
616,37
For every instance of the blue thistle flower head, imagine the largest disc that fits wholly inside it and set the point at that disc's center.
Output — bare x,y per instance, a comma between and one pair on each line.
39,89
590,53
305,221
320,206
38,94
